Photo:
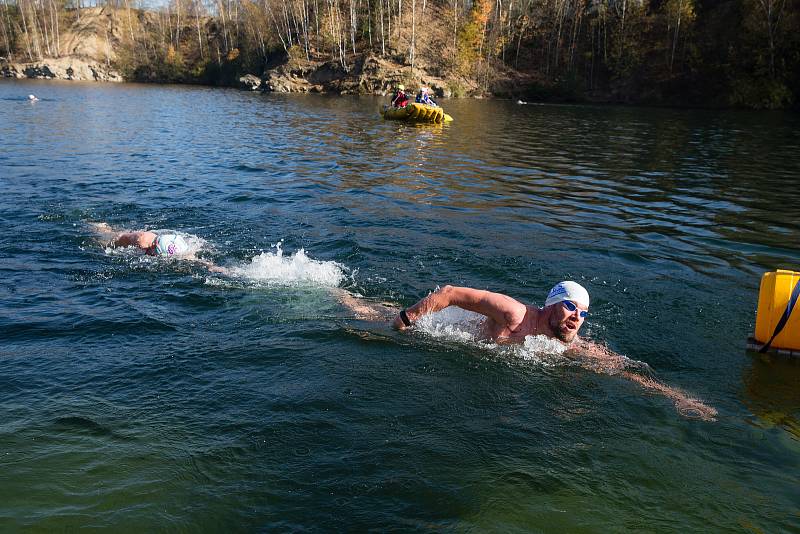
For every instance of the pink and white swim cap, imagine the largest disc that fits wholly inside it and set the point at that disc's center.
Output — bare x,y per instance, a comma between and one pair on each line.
171,245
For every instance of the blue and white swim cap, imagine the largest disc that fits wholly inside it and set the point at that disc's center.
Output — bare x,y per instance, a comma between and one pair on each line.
171,245
568,290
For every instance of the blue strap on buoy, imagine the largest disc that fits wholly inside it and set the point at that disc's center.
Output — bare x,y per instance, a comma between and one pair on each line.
785,317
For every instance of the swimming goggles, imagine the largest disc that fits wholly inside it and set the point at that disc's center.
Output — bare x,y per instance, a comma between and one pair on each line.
571,307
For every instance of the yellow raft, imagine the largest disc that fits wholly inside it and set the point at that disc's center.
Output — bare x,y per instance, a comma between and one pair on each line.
416,113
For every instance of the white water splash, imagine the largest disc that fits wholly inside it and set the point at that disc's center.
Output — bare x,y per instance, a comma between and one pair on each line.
274,268
460,326
451,324
543,350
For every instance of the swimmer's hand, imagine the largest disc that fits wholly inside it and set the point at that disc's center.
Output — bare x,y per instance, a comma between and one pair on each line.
398,324
402,321
212,267
686,405
101,227
695,409
363,309
217,269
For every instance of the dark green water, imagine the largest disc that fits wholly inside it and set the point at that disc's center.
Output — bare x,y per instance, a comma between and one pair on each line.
143,395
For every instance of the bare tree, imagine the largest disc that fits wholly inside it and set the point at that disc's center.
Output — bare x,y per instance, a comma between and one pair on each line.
412,50
383,35
7,29
196,5
772,10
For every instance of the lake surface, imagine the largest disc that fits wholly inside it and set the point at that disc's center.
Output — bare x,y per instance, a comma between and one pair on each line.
145,394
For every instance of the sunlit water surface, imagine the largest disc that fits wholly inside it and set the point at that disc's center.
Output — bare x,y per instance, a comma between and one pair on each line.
151,394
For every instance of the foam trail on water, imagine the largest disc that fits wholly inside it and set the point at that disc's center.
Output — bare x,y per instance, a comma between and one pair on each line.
274,268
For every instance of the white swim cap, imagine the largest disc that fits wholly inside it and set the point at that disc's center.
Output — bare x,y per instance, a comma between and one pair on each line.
171,245
568,291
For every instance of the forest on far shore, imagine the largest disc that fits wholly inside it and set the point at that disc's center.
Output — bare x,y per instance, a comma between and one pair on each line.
739,53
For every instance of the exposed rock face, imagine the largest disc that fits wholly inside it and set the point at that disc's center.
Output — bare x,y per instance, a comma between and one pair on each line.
86,53
65,68
369,74
95,34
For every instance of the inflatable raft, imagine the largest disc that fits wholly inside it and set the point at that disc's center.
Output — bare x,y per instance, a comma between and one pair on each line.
417,113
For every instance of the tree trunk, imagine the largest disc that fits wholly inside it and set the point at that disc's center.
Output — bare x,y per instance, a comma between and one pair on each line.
413,33
353,23
675,36
383,35
199,32
7,30
268,9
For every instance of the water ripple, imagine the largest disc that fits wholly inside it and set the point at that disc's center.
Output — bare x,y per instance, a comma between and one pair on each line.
158,395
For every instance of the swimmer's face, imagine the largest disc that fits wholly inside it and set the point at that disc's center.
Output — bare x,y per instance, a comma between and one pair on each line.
564,322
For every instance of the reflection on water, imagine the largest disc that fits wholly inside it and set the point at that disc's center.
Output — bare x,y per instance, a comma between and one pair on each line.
771,391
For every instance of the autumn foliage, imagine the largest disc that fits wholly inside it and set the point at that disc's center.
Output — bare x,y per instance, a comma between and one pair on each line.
696,52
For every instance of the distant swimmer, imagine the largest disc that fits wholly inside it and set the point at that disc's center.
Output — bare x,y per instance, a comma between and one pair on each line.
33,98
567,305
521,102
168,245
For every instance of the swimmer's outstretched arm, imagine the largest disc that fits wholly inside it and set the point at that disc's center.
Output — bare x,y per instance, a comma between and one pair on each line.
143,240
502,309
364,309
686,405
136,238
614,363
211,266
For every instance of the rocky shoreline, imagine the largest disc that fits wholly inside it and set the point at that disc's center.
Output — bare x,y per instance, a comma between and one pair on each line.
368,75
91,50
63,68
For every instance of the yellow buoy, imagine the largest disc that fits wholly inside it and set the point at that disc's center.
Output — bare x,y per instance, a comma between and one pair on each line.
778,320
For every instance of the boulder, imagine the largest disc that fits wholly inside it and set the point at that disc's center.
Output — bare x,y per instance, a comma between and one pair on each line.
290,79
250,82
38,71
9,70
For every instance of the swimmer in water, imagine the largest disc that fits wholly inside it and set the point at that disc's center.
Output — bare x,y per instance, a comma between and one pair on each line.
167,245
507,319
33,98
567,305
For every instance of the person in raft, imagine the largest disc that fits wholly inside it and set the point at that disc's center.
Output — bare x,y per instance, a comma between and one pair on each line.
400,98
424,97
166,245
567,305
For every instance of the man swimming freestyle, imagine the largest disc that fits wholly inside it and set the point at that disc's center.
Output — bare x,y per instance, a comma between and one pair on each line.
567,305
507,319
